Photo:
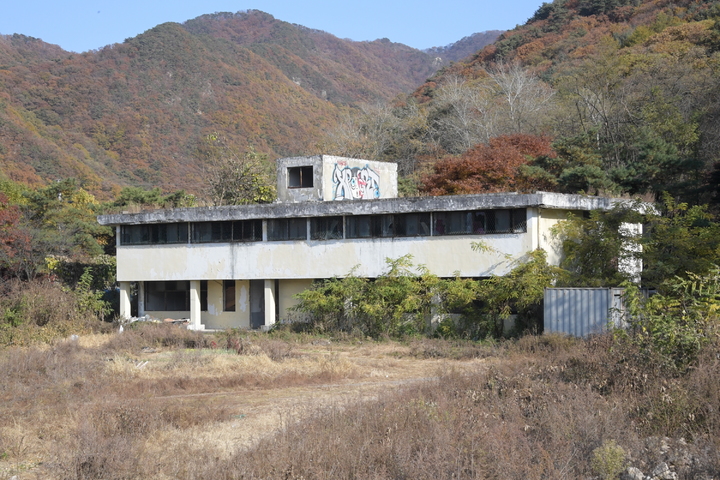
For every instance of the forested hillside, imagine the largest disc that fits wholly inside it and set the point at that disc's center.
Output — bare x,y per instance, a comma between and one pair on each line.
136,113
625,94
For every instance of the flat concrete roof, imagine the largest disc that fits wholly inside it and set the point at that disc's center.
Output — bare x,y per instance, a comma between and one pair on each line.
486,201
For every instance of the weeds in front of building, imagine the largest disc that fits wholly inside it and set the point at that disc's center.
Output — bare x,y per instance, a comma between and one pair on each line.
537,407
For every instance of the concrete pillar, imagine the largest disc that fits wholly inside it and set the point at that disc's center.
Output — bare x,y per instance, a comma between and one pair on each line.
195,320
141,299
269,303
533,228
631,262
125,309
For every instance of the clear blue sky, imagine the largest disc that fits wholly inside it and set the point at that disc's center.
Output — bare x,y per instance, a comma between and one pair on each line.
81,25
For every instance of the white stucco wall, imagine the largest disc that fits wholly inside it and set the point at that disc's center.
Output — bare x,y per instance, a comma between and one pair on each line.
547,240
216,318
288,289
316,259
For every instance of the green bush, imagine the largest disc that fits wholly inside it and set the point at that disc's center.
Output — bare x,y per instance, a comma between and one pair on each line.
395,304
608,460
404,300
678,321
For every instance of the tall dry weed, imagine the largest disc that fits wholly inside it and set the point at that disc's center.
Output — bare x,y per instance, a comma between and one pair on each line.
539,410
531,417
40,311
156,335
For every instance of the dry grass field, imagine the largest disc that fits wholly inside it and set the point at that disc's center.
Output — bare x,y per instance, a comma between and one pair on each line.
146,396
163,403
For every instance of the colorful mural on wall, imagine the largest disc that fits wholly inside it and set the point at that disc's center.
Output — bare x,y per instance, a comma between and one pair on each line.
355,183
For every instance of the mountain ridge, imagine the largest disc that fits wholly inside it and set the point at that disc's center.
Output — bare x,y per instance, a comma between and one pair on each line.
136,113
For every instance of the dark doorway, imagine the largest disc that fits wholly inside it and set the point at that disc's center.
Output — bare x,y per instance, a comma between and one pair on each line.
257,303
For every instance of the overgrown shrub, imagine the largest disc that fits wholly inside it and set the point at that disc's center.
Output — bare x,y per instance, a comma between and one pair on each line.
405,299
151,335
69,271
395,304
608,460
678,321
40,311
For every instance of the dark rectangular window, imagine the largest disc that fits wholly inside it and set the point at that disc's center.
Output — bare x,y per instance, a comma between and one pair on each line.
170,296
416,224
287,229
134,235
326,228
359,226
174,233
237,231
161,233
203,295
369,226
502,221
519,220
300,177
247,231
480,222
384,226
507,221
208,232
229,295
452,223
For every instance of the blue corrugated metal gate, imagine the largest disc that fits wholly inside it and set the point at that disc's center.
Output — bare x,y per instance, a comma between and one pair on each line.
581,311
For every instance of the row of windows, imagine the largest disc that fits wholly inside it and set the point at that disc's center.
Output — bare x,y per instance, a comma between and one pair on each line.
237,231
200,232
472,222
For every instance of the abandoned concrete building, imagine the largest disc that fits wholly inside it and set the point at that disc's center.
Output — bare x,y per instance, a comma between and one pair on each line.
240,266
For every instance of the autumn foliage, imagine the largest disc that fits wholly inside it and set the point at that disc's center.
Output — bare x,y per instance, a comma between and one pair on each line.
14,240
492,167
136,113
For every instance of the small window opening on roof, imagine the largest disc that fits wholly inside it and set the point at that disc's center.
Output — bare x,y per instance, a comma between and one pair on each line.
300,177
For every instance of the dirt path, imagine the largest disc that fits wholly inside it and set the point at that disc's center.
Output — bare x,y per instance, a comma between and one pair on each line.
262,412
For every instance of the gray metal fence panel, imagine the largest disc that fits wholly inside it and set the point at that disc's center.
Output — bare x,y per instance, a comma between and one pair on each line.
581,311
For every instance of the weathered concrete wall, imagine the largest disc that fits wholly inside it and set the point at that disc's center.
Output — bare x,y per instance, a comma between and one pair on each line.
289,288
216,318
294,195
546,201
317,259
547,240
443,255
338,178
354,179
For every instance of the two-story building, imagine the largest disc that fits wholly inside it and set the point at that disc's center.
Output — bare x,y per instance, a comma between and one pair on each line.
240,266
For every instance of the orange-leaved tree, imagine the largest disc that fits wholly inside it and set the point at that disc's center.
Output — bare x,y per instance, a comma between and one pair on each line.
492,167
15,242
